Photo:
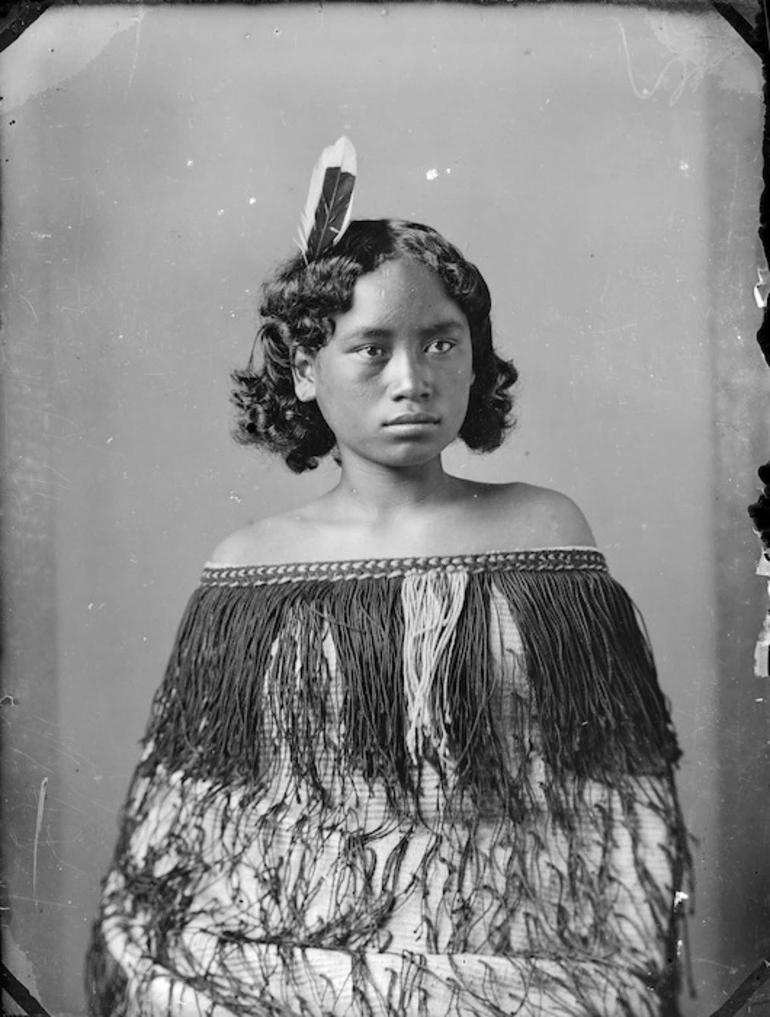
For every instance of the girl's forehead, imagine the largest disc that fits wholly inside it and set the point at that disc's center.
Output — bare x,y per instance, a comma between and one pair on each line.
402,288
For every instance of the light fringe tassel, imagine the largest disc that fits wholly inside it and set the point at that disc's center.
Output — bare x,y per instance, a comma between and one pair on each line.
432,603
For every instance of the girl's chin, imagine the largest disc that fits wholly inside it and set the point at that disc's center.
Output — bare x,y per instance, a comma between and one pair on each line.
407,456
401,449
411,462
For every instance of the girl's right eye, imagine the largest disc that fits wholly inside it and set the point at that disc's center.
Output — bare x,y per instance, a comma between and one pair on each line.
371,352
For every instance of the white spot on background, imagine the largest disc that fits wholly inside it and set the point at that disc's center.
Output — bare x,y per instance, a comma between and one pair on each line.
433,174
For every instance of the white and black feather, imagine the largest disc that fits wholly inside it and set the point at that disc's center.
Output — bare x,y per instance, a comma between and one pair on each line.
329,202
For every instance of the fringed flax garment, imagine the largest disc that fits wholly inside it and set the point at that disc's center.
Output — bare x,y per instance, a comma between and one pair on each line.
417,788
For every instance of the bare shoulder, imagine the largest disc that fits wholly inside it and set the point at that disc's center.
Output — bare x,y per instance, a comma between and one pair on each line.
263,542
561,517
238,548
532,516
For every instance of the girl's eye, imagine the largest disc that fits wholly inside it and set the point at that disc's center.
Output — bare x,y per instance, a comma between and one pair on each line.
441,345
371,352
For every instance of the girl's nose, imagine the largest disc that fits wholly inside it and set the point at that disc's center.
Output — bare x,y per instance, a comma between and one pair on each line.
410,377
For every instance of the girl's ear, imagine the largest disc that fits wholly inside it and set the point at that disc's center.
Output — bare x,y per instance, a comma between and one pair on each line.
303,373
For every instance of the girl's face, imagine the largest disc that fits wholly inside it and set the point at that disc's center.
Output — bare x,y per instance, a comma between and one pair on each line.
393,381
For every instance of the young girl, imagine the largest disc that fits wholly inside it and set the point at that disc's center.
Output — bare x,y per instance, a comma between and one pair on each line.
410,756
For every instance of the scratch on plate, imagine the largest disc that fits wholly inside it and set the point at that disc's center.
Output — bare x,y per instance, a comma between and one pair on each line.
689,54
38,827
29,304
139,18
30,758
51,903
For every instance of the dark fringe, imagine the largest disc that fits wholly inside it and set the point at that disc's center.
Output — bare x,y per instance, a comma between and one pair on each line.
250,669
106,986
599,707
367,625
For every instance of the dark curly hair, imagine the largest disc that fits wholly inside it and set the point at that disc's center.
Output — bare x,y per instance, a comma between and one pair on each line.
298,308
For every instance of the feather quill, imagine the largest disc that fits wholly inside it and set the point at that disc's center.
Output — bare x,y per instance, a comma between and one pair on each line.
329,202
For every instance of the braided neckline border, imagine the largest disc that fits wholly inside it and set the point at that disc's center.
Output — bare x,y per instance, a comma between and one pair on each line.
548,559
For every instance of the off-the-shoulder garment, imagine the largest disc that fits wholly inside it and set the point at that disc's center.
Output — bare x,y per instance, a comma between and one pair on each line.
410,787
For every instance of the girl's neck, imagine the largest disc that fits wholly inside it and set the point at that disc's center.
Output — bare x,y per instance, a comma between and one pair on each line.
377,495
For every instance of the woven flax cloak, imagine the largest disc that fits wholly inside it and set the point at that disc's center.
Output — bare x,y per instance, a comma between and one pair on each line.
410,787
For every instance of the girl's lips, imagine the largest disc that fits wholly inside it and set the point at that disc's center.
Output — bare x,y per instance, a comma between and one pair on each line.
412,418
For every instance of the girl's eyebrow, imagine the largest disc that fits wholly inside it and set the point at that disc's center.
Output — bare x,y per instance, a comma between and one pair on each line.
446,325
436,327
370,333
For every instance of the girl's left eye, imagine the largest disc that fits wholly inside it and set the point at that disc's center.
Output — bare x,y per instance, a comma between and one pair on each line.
441,345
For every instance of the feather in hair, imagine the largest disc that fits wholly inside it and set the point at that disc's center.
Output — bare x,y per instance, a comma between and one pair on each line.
330,199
